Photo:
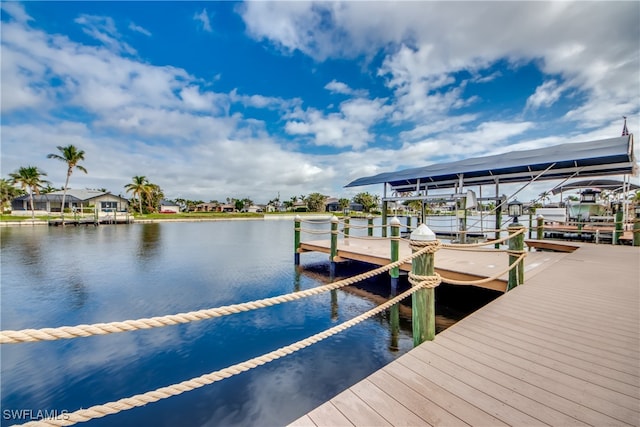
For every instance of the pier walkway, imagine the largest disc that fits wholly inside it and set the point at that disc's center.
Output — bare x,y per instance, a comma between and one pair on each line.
453,264
561,349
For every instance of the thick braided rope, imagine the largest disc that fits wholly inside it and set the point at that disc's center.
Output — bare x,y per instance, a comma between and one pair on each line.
316,221
310,231
488,279
100,411
466,246
426,282
369,237
69,332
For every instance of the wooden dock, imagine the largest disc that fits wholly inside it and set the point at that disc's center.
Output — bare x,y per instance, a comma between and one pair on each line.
454,264
562,349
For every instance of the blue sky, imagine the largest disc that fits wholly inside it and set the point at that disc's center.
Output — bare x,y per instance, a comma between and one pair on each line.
212,100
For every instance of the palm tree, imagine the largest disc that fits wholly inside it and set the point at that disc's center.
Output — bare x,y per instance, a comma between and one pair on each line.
29,178
139,187
71,156
8,192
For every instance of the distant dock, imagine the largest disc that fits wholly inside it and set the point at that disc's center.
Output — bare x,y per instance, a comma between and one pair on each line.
458,265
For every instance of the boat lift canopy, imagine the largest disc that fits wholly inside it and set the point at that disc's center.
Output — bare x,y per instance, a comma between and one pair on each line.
613,156
612,185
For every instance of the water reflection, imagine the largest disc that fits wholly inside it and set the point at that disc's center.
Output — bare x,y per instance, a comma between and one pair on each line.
149,244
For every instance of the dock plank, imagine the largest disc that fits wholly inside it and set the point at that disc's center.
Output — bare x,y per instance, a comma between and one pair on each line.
562,349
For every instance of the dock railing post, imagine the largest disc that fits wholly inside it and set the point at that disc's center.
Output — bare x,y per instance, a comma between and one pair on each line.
395,251
540,227
618,230
394,311
516,245
334,245
423,301
296,240
498,224
636,228
370,225
346,227
385,206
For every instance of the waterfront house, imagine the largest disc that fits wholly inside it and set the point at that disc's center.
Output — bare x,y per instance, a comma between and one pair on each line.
75,200
167,206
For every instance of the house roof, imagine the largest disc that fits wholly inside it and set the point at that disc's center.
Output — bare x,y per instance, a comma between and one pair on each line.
585,159
50,197
84,194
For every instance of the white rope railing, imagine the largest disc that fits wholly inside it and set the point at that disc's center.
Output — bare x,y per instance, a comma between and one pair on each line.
70,332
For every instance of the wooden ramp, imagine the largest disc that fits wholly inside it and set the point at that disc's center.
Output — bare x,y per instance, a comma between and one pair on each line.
562,349
453,264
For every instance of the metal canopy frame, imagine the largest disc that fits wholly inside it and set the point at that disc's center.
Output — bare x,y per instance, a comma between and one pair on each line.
613,156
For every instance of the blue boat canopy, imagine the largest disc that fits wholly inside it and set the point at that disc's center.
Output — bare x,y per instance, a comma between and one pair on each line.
613,156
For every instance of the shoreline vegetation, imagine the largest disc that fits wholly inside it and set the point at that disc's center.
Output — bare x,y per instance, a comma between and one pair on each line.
9,220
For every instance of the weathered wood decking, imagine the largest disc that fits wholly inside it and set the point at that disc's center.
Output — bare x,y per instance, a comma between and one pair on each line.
562,349
454,264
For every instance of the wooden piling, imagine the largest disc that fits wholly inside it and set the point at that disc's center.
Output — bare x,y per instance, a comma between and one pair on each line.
296,240
618,231
395,250
394,311
424,307
540,227
346,227
636,230
334,245
385,206
516,244
498,224
370,225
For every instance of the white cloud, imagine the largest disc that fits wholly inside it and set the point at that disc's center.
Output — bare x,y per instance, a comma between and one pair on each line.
103,29
139,29
546,94
203,18
16,10
347,128
335,86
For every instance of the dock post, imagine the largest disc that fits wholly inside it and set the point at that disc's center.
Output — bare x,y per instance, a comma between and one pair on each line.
423,314
618,231
394,311
346,227
498,224
334,245
296,240
395,251
516,244
636,228
540,227
370,225
385,205
409,223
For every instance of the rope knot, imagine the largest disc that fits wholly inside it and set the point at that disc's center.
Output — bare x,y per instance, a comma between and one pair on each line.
427,282
428,246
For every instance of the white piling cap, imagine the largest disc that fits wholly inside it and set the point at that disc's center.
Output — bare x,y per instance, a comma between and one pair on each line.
423,233
394,221
334,218
298,218
540,216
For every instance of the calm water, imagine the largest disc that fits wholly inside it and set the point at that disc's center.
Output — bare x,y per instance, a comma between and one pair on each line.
54,276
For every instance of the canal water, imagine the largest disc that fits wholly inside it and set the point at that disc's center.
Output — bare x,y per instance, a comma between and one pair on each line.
54,276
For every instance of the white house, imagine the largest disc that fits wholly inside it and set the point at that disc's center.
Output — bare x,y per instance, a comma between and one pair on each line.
45,204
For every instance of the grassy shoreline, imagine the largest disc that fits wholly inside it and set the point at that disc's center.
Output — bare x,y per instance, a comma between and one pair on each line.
13,220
